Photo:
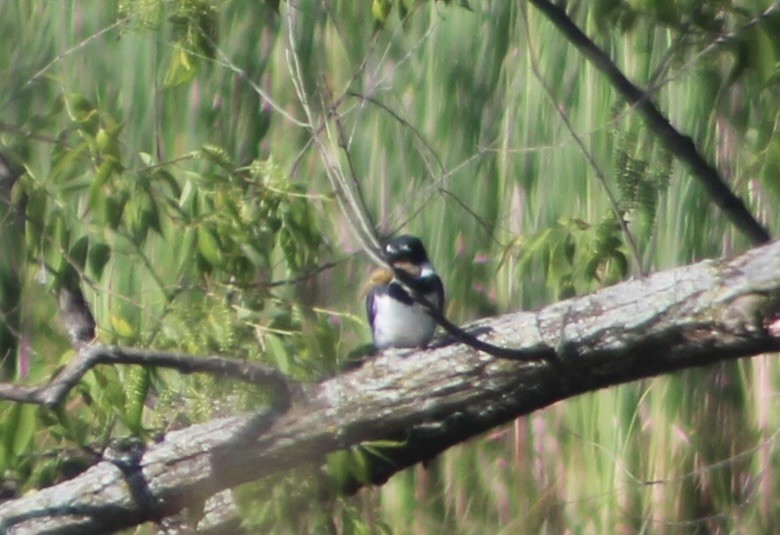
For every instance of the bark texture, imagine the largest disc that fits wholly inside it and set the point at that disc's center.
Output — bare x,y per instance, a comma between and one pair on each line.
690,316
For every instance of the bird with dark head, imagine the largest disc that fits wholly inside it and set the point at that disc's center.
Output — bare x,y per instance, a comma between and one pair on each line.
396,319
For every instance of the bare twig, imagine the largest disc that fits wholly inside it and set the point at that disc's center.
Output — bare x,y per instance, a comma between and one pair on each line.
55,392
355,212
680,145
406,124
585,152
62,56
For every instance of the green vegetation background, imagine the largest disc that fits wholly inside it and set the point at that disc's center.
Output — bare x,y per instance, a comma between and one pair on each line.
158,178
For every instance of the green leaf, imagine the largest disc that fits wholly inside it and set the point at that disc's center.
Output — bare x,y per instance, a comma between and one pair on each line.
536,247
257,257
84,114
767,52
665,11
151,216
187,198
280,357
380,10
558,266
164,176
57,242
78,253
360,465
121,326
113,208
146,158
36,214
181,70
188,243
99,254
67,162
137,383
209,247
107,144
337,468
79,108
9,424
143,215
104,172
26,425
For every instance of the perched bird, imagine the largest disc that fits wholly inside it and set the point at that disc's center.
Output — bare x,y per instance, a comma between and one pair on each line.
396,319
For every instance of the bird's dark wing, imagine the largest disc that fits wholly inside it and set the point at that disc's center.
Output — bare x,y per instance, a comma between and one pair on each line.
397,292
439,289
432,287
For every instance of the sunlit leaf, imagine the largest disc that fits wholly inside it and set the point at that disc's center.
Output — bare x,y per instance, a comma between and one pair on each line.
209,246
104,172
137,384
380,10
181,69
107,144
121,326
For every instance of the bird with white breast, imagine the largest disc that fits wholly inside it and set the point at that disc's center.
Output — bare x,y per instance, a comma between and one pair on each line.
395,317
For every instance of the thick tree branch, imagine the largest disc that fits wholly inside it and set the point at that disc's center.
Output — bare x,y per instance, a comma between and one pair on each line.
680,145
690,316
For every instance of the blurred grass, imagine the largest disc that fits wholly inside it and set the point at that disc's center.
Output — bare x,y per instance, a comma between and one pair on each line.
695,452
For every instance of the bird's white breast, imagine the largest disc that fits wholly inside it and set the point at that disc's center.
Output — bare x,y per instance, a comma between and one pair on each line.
399,325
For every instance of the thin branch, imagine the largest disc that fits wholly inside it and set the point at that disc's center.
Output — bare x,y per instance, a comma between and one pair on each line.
585,152
355,193
242,74
406,124
19,131
62,56
54,393
359,222
680,145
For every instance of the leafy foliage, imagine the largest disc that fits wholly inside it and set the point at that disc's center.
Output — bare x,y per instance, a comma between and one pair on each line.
235,228
642,172
158,178
192,26
575,256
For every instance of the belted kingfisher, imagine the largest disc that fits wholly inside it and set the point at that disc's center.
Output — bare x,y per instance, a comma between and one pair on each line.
396,319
